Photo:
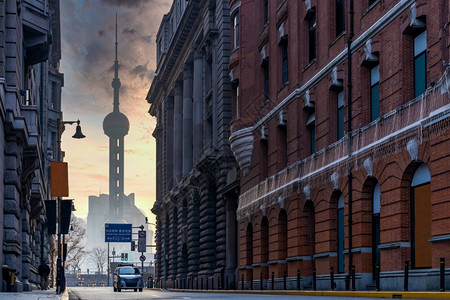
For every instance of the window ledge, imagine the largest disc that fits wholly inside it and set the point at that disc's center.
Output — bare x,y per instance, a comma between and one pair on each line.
310,64
370,8
283,86
337,39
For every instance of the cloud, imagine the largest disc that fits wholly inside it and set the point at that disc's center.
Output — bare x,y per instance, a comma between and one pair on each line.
126,3
130,31
147,38
87,63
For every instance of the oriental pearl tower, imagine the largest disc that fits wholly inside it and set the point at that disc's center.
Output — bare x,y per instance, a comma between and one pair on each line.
116,126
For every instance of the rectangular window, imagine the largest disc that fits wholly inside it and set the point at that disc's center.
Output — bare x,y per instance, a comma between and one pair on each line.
340,17
312,136
285,62
266,11
312,132
374,92
236,30
420,64
340,115
266,81
236,93
312,37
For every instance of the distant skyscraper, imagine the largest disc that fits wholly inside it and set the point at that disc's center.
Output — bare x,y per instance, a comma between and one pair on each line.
116,126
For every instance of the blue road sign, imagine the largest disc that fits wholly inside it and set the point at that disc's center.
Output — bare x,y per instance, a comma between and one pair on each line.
118,233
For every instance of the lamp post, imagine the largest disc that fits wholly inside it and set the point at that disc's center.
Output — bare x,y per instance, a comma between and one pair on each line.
60,278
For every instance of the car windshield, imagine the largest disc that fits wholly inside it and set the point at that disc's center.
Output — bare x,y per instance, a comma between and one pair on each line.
128,271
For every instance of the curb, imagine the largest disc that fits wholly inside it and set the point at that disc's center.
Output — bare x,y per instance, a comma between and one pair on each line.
368,294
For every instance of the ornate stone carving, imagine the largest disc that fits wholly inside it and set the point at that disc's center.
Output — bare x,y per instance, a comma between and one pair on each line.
335,180
413,149
307,192
368,165
242,146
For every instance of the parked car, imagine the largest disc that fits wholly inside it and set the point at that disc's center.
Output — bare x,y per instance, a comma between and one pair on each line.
127,278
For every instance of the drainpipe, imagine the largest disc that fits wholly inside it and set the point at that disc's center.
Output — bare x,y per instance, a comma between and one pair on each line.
349,131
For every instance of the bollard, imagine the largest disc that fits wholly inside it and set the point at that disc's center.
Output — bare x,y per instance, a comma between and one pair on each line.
442,274
405,278
201,284
212,283
273,280
377,277
298,280
242,282
353,278
226,280
314,279
332,278
284,280
251,281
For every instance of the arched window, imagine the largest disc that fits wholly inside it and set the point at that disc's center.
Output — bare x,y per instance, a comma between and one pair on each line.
249,244
310,223
421,218
264,240
282,235
341,235
375,227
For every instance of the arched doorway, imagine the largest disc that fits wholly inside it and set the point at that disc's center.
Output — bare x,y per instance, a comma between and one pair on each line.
249,244
341,235
421,218
264,240
375,227
282,235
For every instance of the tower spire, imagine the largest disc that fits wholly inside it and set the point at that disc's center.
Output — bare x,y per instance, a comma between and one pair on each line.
116,81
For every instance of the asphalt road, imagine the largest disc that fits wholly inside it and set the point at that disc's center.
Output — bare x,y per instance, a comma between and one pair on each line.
100,293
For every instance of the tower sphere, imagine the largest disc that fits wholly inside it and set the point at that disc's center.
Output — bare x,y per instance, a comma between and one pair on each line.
116,124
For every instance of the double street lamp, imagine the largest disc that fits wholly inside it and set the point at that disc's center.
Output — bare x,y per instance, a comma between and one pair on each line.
60,278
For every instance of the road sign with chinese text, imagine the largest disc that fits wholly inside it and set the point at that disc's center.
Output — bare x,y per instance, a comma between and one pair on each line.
118,233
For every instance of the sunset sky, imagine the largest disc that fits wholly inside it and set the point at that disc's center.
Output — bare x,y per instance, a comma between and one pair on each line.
87,32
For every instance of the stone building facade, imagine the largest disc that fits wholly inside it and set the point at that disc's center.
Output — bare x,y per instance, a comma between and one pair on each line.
341,131
30,107
196,178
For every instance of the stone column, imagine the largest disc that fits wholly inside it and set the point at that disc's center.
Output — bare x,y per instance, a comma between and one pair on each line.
187,119
198,106
169,133
178,132
12,243
26,249
231,238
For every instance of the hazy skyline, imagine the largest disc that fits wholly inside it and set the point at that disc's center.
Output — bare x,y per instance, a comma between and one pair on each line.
87,33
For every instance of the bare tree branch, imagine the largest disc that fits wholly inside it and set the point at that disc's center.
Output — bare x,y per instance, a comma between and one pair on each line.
76,244
99,256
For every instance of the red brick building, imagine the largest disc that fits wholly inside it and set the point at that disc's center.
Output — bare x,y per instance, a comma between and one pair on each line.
325,184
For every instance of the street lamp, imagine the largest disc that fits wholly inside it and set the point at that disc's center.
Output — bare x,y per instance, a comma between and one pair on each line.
60,278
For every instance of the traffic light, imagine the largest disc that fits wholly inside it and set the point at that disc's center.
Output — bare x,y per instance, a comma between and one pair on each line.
126,256
122,256
133,245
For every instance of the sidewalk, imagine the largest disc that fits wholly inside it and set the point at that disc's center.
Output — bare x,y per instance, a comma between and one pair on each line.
49,294
365,294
